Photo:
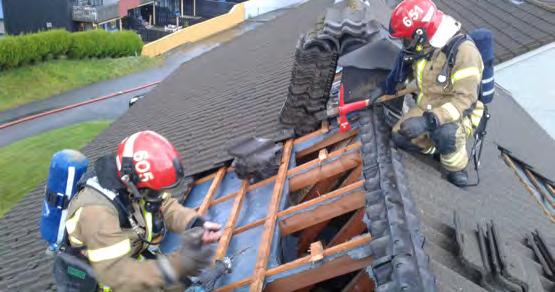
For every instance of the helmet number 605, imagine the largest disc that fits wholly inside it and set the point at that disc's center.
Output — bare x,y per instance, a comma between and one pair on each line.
414,14
142,166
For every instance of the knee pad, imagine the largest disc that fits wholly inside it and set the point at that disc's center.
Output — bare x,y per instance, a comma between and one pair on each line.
445,138
404,142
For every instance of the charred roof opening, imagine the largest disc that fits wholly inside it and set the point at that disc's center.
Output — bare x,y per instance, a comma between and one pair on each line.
541,188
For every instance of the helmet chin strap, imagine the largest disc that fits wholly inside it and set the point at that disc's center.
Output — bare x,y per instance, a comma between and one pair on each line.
131,187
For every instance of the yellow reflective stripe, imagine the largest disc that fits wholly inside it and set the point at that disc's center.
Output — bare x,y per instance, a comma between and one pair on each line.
465,73
419,75
71,223
477,113
148,221
429,150
467,124
455,161
110,252
75,240
452,111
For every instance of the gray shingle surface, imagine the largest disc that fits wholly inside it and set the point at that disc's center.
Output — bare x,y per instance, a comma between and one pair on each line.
517,28
237,90
234,90
500,195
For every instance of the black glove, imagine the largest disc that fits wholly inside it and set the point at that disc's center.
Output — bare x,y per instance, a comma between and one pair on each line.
414,127
193,256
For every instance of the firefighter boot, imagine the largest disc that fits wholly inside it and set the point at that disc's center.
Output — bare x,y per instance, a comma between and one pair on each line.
458,178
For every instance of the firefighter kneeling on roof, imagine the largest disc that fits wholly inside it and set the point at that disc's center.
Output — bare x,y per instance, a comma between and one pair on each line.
127,208
447,108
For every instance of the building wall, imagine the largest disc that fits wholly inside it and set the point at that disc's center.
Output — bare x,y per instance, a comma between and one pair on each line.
23,16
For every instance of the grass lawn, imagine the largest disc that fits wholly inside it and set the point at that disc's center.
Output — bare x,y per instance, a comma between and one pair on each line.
29,83
24,164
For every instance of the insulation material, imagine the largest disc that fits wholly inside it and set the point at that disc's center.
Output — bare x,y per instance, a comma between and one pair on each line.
220,213
243,265
197,194
255,205
230,184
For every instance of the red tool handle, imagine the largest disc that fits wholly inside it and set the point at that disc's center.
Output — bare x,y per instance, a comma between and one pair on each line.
344,109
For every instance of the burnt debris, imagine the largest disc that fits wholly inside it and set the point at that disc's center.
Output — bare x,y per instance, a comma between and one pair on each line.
484,250
256,158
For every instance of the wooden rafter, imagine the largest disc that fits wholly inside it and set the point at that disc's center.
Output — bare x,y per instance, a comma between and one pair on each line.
342,164
290,172
544,192
353,227
270,224
332,251
337,267
360,283
211,191
308,204
324,129
333,139
310,234
221,251
321,213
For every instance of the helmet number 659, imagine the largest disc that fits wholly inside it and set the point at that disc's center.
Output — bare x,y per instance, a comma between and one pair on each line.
413,14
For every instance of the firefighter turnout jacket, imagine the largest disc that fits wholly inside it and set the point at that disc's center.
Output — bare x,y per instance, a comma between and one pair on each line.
453,102
94,225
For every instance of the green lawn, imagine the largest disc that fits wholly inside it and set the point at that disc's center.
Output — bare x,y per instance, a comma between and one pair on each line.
25,84
24,164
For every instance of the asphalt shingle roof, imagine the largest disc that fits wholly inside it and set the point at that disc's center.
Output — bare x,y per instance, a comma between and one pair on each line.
238,89
518,28
234,90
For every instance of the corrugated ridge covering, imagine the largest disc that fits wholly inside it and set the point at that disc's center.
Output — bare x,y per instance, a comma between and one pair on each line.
399,259
518,28
234,90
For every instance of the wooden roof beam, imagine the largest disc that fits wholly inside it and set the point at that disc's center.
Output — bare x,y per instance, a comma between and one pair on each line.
223,244
341,248
212,191
341,165
360,283
270,224
333,139
330,206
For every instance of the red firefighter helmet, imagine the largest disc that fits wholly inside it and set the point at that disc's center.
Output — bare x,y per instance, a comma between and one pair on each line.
150,160
421,21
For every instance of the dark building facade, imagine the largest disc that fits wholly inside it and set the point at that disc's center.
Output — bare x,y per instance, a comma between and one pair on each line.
26,16
23,16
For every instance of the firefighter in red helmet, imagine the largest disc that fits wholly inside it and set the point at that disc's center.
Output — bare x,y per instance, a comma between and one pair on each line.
447,106
120,216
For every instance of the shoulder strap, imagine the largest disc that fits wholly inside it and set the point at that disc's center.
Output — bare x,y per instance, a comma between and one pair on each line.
450,50
114,198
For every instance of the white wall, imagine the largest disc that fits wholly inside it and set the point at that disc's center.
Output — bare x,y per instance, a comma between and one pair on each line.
254,8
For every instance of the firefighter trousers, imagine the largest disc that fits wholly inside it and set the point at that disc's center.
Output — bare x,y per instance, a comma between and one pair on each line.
448,140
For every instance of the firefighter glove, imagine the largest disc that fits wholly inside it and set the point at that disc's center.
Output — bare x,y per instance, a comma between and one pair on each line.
193,256
416,126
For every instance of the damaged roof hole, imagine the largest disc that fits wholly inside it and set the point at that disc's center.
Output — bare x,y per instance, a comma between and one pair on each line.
541,188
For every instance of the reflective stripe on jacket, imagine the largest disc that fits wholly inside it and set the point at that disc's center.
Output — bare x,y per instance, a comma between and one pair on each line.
450,100
94,223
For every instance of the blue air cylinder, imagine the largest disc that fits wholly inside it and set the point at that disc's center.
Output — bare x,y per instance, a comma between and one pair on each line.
66,168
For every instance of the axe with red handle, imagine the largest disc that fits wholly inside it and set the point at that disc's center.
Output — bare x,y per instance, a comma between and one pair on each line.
344,109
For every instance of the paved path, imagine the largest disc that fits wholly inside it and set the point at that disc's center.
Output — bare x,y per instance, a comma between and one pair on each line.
114,107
